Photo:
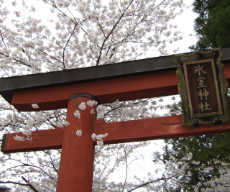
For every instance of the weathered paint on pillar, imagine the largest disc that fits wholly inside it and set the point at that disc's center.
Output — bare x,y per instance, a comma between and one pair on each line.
76,165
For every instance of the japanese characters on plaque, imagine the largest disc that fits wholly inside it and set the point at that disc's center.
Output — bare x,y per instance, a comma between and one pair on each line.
202,88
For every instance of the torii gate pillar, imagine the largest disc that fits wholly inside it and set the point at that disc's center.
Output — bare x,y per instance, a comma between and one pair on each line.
76,165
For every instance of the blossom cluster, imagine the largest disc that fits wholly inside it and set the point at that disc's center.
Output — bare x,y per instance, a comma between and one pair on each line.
99,138
79,133
77,114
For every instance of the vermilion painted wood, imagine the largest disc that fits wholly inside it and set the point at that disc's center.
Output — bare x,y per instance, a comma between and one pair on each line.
106,91
76,165
155,128
120,132
41,140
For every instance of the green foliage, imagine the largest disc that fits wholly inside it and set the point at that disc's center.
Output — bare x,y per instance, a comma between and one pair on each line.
212,25
209,155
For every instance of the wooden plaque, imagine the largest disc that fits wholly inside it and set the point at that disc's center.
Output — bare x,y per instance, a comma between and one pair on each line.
203,88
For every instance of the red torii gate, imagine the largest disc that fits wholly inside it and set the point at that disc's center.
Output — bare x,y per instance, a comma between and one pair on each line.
76,170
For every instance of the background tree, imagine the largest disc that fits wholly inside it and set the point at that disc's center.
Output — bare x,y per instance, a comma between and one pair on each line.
208,162
212,24
207,165
79,34
204,161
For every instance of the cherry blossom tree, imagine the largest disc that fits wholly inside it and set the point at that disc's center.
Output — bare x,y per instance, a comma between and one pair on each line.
78,34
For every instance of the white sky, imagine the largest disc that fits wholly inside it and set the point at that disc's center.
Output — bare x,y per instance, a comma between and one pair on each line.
185,24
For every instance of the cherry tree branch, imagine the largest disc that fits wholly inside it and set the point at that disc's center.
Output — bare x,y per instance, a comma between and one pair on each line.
63,54
118,21
29,184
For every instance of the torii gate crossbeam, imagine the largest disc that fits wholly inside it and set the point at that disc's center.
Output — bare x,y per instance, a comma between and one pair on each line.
118,132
